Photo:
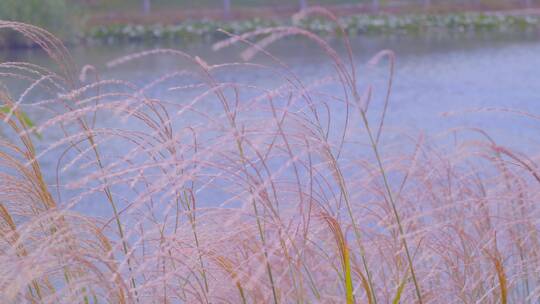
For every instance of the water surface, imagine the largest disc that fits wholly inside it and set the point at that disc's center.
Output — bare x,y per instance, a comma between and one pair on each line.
433,75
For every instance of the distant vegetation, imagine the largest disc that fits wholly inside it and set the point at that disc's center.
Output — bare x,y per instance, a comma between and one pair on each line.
130,20
49,14
353,25
131,4
148,5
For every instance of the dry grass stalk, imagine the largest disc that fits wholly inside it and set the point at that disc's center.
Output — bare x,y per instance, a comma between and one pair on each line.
221,204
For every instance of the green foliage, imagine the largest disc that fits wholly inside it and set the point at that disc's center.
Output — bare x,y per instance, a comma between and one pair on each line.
353,25
399,292
25,119
52,15
49,14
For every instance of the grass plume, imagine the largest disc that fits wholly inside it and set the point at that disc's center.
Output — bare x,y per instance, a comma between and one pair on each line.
210,190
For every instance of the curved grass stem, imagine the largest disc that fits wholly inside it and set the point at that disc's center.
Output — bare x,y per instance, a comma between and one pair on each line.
374,146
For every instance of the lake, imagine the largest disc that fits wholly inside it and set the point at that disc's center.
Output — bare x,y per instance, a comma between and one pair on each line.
434,75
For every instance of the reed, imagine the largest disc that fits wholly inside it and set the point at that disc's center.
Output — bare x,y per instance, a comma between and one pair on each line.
213,191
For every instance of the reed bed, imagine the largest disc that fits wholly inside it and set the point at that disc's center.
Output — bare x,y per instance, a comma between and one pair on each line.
249,194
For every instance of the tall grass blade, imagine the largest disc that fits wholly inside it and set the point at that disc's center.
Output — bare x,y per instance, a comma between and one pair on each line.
344,253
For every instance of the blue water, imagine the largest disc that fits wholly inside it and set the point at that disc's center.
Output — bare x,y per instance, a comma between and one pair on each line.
433,75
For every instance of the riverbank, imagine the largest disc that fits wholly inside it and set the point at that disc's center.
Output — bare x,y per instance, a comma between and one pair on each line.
166,22
206,29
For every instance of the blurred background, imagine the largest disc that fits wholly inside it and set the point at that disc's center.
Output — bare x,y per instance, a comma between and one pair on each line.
70,18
